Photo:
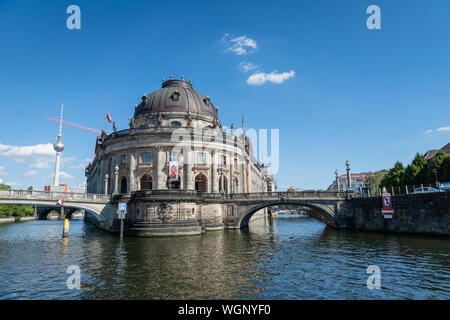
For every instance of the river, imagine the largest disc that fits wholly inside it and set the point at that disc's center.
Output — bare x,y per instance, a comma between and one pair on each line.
294,257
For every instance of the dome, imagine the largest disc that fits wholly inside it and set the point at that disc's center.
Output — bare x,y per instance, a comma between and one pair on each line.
176,96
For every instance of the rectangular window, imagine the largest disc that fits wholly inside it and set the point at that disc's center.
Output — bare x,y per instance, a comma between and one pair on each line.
124,159
223,160
146,157
201,157
174,156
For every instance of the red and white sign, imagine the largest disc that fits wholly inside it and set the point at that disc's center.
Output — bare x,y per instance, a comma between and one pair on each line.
387,210
61,202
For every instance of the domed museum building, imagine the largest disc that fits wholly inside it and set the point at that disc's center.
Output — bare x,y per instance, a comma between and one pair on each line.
174,150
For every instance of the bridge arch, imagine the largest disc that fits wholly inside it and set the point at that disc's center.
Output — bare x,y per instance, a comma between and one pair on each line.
321,211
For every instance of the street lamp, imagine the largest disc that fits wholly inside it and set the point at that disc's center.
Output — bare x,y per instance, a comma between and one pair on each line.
337,180
437,182
116,179
349,179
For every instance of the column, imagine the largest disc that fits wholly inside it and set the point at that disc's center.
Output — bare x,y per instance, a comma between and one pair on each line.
188,165
131,171
106,184
231,175
160,164
214,174
243,176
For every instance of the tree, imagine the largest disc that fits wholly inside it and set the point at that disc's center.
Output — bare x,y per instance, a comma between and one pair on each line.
30,189
4,187
395,176
417,171
374,181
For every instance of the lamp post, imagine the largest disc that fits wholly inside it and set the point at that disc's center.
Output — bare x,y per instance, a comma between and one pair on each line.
106,183
337,180
116,179
349,179
437,182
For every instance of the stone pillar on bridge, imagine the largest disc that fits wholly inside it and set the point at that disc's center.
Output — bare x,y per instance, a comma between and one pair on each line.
214,174
160,164
188,165
106,183
337,181
132,171
61,214
116,179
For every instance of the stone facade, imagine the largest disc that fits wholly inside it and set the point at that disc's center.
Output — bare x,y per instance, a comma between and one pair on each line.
174,125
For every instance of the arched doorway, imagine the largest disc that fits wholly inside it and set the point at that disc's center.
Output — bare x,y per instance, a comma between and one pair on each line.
146,182
223,183
201,183
123,185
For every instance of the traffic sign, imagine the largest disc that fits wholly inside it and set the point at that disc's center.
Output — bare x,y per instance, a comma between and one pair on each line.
122,206
387,211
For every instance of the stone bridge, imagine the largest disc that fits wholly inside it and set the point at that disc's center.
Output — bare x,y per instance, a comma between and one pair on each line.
96,206
414,213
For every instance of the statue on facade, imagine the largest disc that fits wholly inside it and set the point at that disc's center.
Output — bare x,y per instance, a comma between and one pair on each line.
114,128
132,125
189,120
159,119
104,135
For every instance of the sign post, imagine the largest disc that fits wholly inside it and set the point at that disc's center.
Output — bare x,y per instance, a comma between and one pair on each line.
387,210
121,212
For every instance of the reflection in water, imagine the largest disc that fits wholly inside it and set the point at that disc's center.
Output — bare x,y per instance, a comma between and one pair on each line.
293,257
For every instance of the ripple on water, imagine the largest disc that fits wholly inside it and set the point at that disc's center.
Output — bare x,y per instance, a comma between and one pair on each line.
290,258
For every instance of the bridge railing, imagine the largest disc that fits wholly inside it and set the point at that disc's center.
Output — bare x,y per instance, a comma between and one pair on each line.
52,195
241,196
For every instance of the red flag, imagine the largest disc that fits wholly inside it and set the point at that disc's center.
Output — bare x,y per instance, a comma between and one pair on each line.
94,154
108,118
60,202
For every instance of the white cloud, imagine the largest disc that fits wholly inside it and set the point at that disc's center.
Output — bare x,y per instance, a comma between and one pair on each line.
40,164
13,184
1,181
36,153
240,45
428,131
31,174
441,129
78,166
259,78
247,66
3,173
62,174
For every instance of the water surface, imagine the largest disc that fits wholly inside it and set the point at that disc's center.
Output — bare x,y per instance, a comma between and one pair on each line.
293,257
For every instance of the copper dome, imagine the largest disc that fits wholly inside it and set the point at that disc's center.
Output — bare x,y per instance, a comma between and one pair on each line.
176,96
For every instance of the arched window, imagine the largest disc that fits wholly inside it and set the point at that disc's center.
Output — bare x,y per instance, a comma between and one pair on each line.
146,182
123,185
176,124
201,183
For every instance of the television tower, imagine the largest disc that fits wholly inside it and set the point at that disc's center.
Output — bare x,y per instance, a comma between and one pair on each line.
58,147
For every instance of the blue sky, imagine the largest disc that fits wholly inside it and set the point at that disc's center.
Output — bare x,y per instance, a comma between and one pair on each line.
348,92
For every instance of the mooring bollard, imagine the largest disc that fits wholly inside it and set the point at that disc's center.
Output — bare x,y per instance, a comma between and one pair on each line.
66,228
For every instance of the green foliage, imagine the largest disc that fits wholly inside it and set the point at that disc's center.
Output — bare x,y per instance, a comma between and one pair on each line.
16,211
419,171
30,188
374,181
4,187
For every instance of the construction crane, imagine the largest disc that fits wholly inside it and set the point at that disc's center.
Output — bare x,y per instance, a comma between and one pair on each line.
74,125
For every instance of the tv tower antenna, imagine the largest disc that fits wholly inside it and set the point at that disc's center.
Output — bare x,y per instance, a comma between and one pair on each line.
58,147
